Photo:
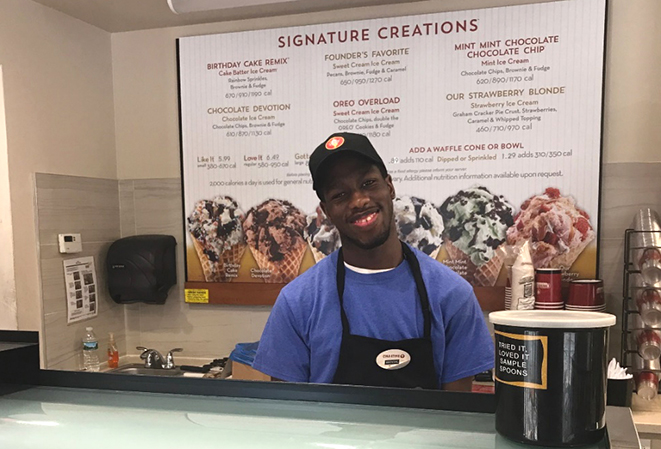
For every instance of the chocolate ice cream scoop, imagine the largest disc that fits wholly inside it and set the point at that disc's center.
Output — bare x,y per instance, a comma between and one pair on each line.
274,228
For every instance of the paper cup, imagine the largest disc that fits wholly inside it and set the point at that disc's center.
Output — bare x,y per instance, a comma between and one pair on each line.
548,285
648,343
648,302
587,292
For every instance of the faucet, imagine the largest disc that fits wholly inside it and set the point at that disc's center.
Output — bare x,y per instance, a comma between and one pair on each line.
169,359
154,359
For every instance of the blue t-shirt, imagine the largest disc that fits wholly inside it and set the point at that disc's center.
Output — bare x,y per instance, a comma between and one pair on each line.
302,337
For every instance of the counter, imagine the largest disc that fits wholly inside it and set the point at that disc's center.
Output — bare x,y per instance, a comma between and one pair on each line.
647,418
59,409
56,417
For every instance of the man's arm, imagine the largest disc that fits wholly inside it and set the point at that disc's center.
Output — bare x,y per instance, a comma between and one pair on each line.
465,384
282,352
468,345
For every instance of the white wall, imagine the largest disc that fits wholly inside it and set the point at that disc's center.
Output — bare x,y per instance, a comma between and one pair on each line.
633,91
8,319
59,115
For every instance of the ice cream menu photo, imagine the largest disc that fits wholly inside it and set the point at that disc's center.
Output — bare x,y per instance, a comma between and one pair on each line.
488,121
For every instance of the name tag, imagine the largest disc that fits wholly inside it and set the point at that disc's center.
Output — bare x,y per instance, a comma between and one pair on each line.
393,359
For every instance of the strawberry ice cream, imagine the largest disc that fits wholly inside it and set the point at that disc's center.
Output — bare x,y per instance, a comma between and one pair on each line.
558,229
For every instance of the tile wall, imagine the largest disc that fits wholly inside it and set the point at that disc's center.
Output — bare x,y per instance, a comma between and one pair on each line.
89,206
104,210
207,331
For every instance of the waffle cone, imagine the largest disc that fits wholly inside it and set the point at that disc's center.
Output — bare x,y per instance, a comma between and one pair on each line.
210,269
231,256
215,271
487,273
281,271
460,260
566,260
318,255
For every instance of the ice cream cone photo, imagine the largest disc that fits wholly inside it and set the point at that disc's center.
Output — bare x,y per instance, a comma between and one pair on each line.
557,228
217,236
476,223
274,232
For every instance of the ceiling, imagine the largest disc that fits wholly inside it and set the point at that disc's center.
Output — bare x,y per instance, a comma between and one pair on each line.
129,15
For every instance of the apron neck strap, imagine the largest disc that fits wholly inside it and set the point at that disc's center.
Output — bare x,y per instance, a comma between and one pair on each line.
417,277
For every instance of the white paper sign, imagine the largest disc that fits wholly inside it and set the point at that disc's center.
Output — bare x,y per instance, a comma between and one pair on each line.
81,286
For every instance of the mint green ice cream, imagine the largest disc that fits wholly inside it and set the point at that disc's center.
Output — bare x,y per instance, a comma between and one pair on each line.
476,222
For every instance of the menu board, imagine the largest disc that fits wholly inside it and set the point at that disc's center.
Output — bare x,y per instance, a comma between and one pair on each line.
489,122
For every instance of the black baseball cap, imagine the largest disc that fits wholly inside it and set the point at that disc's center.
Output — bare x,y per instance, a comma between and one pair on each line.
339,143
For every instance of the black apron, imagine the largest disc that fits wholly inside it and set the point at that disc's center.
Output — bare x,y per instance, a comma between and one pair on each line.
358,355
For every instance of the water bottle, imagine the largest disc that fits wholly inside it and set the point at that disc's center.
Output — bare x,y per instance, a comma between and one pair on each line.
90,351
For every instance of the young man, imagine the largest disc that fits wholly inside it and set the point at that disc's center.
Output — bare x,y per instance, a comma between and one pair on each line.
376,312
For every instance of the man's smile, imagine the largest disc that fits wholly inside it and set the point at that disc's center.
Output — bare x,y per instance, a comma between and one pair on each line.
365,219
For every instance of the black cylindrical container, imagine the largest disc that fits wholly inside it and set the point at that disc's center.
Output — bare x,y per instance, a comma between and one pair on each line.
551,376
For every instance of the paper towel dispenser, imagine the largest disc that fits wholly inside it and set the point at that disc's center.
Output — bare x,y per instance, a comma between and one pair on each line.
141,268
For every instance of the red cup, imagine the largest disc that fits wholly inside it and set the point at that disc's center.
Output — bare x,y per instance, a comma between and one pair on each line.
649,306
649,344
650,265
549,306
647,384
586,293
586,309
548,282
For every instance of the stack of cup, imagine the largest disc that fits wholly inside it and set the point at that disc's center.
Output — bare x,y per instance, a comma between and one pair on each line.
645,339
648,343
646,246
586,295
548,282
647,298
647,384
646,376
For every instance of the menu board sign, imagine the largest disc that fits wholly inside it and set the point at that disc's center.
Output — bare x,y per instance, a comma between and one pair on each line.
489,122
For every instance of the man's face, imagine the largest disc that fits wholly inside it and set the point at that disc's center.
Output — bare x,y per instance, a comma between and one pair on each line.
358,201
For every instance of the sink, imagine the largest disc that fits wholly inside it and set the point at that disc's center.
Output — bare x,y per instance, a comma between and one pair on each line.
140,370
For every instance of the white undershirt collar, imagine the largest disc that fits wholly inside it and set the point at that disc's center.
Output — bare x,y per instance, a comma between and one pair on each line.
367,270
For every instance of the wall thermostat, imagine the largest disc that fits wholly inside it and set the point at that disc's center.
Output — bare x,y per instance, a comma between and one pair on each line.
70,243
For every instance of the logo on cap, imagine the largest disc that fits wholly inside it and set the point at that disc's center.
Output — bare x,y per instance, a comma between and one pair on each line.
334,142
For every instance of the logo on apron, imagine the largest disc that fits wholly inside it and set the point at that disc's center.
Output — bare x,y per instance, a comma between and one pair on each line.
393,359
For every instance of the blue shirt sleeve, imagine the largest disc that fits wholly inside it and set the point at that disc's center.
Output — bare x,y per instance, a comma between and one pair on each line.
283,352
468,345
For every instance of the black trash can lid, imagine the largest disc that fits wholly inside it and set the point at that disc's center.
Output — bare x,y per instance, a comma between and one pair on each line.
552,319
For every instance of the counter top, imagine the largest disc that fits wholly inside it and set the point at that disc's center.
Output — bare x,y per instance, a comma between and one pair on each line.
63,417
10,345
646,414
